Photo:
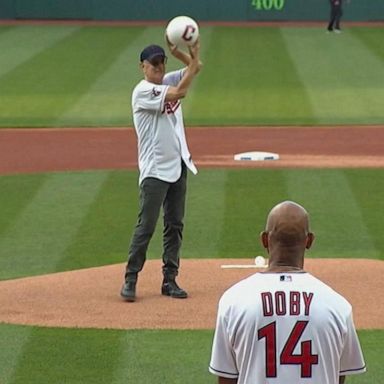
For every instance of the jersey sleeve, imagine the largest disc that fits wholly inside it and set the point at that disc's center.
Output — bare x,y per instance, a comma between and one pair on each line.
173,78
352,360
223,361
149,96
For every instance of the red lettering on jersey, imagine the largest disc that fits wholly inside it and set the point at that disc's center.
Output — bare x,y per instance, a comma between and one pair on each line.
280,303
269,333
306,359
294,301
171,107
266,298
307,302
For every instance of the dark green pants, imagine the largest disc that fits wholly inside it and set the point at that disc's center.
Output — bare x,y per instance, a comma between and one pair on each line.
154,194
334,19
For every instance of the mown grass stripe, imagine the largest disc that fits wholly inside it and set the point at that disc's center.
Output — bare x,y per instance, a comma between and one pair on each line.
105,231
42,88
70,356
340,75
5,28
336,216
251,76
205,212
22,43
367,186
226,210
249,195
372,39
143,351
16,191
12,342
37,240
112,88
54,355
248,79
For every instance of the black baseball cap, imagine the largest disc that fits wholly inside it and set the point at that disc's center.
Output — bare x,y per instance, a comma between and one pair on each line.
152,51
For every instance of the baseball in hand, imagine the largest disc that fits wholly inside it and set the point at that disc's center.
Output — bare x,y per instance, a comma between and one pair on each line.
182,31
260,261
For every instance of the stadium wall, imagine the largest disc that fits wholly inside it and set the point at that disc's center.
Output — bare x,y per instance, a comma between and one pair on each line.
208,10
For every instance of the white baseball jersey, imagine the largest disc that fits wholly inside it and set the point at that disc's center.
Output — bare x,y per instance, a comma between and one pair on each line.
285,328
160,130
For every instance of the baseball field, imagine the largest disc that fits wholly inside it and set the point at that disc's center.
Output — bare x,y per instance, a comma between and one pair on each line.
68,190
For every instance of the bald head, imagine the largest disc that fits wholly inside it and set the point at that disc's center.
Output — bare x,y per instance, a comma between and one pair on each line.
287,234
288,223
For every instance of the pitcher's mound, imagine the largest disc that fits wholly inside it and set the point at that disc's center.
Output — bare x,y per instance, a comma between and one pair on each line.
89,298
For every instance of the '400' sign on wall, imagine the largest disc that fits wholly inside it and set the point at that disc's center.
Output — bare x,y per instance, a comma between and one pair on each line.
268,5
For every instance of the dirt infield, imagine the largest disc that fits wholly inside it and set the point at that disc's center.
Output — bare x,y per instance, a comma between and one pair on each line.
45,150
90,297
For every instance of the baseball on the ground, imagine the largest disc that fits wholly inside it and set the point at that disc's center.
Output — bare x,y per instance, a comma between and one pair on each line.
259,261
182,31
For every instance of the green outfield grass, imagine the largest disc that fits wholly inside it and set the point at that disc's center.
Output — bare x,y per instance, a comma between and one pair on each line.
75,356
62,221
83,76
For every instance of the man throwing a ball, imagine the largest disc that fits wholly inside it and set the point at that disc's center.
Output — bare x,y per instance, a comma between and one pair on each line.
163,161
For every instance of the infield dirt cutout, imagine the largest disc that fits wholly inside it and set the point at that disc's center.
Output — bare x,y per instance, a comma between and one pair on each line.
90,297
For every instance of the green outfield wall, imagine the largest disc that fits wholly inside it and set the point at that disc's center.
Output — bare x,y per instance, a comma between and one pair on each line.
210,10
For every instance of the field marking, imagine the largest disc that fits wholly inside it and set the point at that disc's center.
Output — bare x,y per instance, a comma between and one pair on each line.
242,266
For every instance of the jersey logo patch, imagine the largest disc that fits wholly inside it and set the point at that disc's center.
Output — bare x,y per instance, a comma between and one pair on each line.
170,107
155,92
286,278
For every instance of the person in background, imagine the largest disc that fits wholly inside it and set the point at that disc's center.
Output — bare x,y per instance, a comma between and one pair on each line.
335,16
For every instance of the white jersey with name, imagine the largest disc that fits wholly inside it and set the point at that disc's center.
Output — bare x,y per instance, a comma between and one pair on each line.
160,130
285,328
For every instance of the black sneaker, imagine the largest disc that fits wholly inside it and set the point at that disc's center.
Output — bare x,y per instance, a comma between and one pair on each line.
170,288
128,291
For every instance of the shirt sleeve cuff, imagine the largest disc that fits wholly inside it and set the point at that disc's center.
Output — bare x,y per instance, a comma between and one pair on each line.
228,375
